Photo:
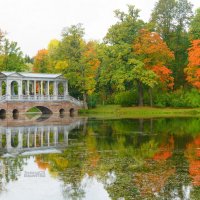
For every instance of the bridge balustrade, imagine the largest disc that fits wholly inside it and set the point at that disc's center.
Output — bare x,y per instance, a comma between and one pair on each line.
20,86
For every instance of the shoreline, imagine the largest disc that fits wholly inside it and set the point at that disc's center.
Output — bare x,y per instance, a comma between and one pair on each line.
116,111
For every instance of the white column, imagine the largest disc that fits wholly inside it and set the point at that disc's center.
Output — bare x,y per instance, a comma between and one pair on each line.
55,90
35,137
28,138
25,87
48,136
66,135
8,90
20,139
41,87
8,139
55,135
47,87
66,89
20,88
28,89
41,136
34,89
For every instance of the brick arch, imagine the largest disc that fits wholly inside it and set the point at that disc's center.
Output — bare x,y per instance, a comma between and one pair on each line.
45,107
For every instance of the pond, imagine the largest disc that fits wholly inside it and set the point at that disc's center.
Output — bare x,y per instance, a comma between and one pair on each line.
99,159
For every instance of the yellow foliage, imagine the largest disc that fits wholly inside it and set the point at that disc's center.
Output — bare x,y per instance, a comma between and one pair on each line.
61,65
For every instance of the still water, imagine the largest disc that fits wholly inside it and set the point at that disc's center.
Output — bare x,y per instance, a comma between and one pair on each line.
50,158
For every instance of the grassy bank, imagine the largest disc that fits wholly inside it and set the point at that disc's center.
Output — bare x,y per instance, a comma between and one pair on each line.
116,111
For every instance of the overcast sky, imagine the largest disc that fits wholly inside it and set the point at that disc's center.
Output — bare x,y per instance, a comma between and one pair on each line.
33,23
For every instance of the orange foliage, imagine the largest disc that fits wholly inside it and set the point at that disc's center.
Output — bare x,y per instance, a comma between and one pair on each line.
93,155
154,53
40,60
152,49
193,155
165,77
41,164
193,69
154,180
90,56
165,151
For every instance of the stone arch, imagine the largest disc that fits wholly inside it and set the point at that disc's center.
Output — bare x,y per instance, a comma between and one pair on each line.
71,112
2,113
44,110
14,88
62,112
15,114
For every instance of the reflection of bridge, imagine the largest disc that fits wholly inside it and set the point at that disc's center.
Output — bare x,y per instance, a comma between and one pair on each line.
35,139
48,92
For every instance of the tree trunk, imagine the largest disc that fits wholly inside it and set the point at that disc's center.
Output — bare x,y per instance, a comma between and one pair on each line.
140,93
85,106
150,96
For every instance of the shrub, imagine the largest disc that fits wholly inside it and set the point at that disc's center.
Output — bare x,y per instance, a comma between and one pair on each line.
179,98
126,98
92,100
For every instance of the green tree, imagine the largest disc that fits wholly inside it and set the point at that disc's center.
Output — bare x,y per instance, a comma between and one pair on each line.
171,19
162,18
78,60
116,52
143,76
11,57
41,61
194,29
126,28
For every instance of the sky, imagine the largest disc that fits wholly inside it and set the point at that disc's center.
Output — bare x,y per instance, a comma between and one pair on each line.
33,23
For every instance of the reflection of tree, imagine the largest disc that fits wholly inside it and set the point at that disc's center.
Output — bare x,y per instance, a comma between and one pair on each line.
68,166
193,155
143,157
10,170
152,178
165,150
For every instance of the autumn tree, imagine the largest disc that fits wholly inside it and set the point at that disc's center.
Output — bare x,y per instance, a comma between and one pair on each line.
142,76
78,60
41,61
53,55
171,19
150,49
193,69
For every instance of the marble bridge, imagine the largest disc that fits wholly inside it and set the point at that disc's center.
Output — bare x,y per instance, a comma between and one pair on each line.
19,92
36,139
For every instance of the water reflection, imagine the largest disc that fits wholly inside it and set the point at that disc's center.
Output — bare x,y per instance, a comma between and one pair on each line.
32,137
105,159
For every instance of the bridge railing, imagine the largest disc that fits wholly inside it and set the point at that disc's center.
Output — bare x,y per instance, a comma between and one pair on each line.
3,98
41,98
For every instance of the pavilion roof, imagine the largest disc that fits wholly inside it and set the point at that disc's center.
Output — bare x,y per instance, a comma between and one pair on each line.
31,75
